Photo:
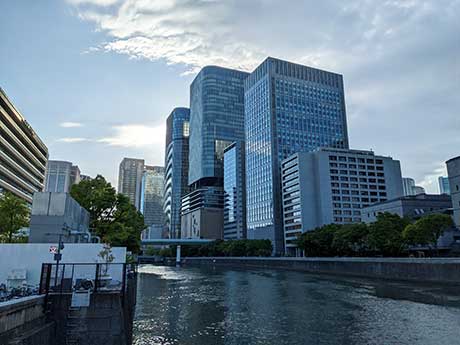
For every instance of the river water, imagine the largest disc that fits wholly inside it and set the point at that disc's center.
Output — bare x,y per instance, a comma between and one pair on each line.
213,306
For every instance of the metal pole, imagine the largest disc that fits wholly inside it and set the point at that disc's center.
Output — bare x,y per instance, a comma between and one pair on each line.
178,254
58,259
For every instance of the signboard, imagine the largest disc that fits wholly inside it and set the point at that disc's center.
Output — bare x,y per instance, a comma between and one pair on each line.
53,249
81,299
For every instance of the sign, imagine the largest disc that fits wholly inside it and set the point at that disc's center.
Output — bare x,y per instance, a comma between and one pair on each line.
80,299
53,249
57,257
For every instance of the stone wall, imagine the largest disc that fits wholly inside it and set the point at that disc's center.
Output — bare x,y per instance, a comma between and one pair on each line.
433,270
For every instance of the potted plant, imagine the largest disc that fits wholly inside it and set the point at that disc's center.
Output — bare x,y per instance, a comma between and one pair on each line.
107,257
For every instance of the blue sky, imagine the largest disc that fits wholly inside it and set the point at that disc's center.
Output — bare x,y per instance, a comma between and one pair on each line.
97,78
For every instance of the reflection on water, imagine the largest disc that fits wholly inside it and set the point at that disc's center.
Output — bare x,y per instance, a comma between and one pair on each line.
213,306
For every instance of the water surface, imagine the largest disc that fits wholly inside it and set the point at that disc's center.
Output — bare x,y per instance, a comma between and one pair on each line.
213,306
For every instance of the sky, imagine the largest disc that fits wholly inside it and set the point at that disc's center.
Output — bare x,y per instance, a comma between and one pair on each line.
96,79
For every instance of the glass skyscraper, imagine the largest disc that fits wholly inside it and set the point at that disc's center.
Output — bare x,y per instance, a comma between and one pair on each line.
216,120
234,192
176,168
152,195
130,180
289,108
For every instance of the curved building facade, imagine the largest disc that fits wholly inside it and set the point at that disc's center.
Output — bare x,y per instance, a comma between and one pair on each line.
453,170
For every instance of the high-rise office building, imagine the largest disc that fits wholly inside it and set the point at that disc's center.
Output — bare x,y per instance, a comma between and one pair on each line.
444,187
130,179
234,192
332,186
23,155
216,120
453,171
409,187
176,168
152,195
289,108
60,176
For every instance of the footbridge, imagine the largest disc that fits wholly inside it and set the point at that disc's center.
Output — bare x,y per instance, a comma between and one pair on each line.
176,242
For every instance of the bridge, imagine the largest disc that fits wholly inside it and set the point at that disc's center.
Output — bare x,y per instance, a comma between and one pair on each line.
176,242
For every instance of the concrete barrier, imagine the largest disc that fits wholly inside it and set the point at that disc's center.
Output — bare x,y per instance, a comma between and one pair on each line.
433,270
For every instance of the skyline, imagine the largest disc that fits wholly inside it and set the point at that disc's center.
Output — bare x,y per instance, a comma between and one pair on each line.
105,95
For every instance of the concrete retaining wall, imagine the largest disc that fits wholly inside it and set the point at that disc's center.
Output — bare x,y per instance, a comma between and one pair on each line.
434,270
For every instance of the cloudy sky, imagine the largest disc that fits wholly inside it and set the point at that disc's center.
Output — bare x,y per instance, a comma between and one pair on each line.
97,78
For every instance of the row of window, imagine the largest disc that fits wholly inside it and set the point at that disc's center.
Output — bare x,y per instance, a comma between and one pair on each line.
354,159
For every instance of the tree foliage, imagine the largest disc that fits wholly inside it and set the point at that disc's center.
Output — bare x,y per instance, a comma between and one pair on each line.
385,234
427,230
318,242
14,215
351,240
112,217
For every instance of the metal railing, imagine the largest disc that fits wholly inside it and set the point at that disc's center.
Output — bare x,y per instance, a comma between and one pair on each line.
95,277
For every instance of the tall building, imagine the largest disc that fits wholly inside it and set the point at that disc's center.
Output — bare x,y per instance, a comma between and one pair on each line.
60,176
216,120
332,186
289,108
444,187
130,179
152,195
453,171
23,155
176,168
409,187
234,192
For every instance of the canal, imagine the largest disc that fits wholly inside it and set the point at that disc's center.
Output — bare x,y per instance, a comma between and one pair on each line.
213,306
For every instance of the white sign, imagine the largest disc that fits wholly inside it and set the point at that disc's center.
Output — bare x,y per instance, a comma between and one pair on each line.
80,299
53,250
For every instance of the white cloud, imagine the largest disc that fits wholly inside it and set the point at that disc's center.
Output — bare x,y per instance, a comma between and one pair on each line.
136,136
101,3
71,124
73,140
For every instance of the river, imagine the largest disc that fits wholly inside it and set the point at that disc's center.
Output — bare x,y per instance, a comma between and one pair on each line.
213,306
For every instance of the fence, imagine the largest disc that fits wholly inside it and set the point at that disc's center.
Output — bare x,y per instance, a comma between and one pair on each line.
96,277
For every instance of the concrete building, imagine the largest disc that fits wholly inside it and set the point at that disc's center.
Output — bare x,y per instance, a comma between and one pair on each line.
444,187
333,186
55,214
85,178
153,232
453,171
152,195
23,155
202,214
234,192
289,108
60,176
176,168
411,206
409,187
130,179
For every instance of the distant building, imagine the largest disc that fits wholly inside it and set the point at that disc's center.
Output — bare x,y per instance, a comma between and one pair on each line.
23,155
85,178
61,176
409,187
410,206
153,232
444,187
130,179
55,214
289,108
234,192
152,195
453,171
333,186
176,168
202,214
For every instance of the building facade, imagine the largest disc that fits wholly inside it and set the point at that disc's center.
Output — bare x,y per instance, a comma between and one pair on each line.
289,108
410,206
152,195
453,171
61,176
234,192
333,186
409,187
23,156
130,180
176,168
216,120
444,187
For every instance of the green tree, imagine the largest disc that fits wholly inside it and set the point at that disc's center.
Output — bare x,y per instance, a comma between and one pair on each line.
427,230
351,240
385,234
112,217
14,215
318,242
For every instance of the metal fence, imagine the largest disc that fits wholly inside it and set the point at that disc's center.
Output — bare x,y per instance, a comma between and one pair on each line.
97,277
